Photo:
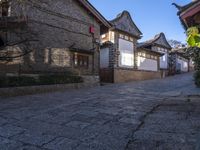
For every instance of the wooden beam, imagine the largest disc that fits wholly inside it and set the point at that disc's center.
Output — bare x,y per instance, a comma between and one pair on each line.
190,12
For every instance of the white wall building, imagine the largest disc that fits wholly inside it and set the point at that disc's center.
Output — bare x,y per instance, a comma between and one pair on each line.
159,44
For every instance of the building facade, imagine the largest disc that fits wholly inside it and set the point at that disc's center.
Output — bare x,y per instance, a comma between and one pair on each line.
160,44
180,62
51,36
120,58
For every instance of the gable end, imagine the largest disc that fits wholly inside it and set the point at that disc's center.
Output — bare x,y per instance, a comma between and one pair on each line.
124,23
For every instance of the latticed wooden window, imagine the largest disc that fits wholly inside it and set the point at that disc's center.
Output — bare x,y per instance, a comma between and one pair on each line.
121,36
126,38
81,61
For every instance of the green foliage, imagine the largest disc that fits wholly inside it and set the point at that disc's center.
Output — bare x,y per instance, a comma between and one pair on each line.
59,79
17,81
197,78
193,39
42,80
194,53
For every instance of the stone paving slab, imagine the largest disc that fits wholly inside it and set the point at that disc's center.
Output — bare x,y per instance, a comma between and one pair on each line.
61,143
144,115
8,131
7,144
169,123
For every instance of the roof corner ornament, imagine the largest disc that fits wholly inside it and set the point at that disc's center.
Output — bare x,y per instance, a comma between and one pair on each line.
177,6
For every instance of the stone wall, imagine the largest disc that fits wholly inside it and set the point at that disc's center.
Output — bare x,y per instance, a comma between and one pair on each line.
127,75
94,80
164,73
20,91
59,26
89,81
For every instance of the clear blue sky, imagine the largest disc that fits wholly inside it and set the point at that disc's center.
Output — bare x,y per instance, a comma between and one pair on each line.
151,16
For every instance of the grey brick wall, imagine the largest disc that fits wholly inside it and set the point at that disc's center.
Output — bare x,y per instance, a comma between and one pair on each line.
58,26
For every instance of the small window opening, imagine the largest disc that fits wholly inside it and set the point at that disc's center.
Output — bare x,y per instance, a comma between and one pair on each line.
81,61
1,42
5,9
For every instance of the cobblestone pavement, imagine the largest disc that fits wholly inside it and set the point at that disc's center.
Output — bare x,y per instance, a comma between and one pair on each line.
147,115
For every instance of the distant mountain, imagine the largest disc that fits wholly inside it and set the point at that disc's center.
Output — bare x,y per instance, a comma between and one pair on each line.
176,44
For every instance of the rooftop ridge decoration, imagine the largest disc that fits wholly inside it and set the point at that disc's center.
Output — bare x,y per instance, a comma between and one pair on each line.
185,7
186,12
158,39
125,23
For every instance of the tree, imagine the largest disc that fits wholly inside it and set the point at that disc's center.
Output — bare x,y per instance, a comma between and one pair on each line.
25,37
194,50
17,26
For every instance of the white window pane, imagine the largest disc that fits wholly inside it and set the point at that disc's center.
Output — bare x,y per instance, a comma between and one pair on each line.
112,36
127,59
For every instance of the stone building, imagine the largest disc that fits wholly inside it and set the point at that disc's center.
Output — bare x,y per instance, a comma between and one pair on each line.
160,44
120,58
180,62
50,36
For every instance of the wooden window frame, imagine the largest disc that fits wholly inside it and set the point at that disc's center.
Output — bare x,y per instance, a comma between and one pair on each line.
5,9
126,38
121,36
81,61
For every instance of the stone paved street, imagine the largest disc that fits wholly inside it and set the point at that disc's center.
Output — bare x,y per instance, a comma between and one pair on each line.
147,115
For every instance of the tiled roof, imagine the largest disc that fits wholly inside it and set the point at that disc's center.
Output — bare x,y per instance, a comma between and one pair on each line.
154,41
183,8
120,23
94,12
181,52
139,47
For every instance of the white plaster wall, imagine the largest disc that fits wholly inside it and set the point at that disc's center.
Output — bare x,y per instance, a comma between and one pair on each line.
183,64
164,61
126,57
104,58
147,64
112,36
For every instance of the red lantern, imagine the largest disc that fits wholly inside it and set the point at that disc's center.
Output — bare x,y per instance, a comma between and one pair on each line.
92,29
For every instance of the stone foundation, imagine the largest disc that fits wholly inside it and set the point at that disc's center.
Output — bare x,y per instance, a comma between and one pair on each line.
164,73
89,81
93,80
127,75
